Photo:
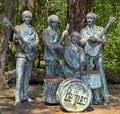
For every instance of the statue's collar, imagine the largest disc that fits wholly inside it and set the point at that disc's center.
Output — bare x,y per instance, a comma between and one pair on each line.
51,29
93,27
26,25
91,30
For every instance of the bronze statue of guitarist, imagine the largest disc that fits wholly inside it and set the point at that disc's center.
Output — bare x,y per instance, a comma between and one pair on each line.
92,37
26,39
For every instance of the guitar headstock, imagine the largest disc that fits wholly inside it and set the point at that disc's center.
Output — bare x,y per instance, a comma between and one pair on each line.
6,21
112,20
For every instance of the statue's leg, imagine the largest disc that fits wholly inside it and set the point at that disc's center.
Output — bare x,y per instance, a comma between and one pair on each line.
96,97
58,69
50,64
100,67
19,80
76,74
27,74
68,73
89,62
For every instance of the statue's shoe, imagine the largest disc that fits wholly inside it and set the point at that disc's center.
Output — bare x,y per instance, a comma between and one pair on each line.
97,102
17,103
30,100
27,100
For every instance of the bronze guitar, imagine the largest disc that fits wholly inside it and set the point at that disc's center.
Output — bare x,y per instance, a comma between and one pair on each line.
29,51
92,48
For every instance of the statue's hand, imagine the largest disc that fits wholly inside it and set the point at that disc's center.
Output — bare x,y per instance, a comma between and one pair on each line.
92,39
54,46
60,46
65,32
33,45
16,38
100,40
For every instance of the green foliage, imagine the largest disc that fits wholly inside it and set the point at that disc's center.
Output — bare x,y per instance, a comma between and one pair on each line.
104,9
111,52
42,64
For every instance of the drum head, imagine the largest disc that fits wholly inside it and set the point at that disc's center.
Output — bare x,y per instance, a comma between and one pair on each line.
74,95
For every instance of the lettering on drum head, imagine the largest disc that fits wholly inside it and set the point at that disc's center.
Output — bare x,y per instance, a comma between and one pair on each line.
73,97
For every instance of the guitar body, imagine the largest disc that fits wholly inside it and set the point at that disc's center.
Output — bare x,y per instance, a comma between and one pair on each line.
32,54
29,52
92,50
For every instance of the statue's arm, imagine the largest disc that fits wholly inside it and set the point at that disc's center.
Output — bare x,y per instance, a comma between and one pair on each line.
82,59
65,33
46,36
83,37
17,36
36,42
100,36
82,53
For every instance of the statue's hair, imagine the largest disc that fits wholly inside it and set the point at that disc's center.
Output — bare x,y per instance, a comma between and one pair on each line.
26,13
52,18
75,33
91,14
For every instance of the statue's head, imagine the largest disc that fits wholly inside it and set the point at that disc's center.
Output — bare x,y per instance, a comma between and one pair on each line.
26,16
27,13
91,14
75,36
53,18
90,18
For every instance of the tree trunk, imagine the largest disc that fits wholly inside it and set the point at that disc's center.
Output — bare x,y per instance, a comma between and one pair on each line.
2,61
76,12
28,5
4,42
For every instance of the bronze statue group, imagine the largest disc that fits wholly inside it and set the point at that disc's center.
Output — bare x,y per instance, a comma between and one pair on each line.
80,51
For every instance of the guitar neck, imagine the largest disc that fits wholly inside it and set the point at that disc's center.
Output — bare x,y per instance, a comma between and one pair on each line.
16,32
105,29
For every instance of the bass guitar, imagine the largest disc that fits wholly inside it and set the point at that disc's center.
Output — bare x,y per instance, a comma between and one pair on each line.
29,51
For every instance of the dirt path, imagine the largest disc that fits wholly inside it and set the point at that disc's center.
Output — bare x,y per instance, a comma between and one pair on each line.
38,107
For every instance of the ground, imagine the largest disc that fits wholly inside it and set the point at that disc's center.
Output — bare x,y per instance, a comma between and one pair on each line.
38,107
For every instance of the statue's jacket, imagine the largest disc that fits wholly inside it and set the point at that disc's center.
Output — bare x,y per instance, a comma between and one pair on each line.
50,39
72,59
28,34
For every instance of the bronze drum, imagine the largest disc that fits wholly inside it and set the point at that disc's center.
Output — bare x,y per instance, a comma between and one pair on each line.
74,95
92,78
50,88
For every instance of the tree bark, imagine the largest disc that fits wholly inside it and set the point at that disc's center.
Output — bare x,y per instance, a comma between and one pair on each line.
4,42
28,5
76,12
